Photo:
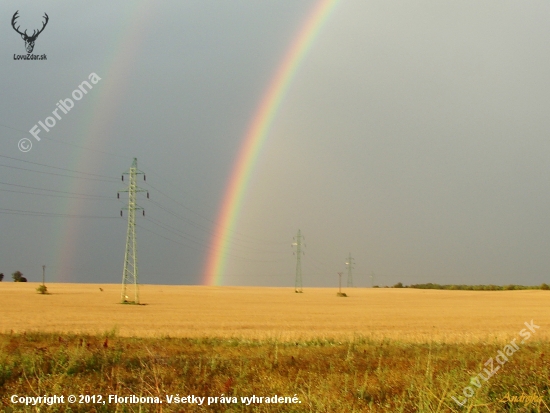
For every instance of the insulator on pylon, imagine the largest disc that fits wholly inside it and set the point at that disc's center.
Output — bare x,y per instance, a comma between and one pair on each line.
120,213
147,194
118,195
144,177
143,212
122,178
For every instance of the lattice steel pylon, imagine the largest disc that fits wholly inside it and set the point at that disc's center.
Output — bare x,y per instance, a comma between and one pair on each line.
349,266
130,272
298,244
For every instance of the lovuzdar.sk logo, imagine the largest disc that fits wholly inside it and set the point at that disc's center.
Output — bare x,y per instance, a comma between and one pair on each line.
29,40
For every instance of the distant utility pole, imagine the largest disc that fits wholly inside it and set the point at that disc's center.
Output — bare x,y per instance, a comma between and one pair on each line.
130,272
349,266
43,275
298,244
372,280
340,282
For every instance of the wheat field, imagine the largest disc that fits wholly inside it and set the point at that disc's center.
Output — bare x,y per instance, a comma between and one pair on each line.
275,313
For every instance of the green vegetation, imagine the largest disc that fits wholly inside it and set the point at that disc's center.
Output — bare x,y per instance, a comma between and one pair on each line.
491,287
18,277
42,289
327,376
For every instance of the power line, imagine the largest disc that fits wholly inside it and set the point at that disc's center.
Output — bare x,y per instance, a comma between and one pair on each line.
53,173
213,222
9,127
234,240
177,233
174,231
168,239
50,214
113,180
211,233
61,169
53,190
60,196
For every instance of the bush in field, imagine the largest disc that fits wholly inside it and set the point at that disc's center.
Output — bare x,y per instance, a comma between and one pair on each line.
42,289
1,276
543,286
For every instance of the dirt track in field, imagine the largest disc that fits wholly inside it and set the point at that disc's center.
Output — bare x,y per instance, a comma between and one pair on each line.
278,313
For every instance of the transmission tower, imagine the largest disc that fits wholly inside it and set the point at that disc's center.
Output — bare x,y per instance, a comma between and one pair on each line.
349,266
130,272
298,244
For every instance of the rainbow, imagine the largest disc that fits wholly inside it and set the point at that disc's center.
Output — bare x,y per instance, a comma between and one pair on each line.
105,101
256,136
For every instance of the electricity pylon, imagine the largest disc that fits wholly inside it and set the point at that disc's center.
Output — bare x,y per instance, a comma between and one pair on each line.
130,272
349,266
298,244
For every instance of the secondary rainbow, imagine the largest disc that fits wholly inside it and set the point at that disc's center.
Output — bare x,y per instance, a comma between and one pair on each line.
106,101
255,137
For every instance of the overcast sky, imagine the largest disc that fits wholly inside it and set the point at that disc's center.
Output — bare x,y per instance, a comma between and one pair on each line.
414,136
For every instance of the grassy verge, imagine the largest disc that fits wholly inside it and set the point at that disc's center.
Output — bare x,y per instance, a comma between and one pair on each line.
326,376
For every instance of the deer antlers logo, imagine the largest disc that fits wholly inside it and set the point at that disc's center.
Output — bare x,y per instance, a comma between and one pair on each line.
29,40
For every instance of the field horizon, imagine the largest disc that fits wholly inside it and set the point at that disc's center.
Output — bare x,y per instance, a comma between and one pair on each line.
274,312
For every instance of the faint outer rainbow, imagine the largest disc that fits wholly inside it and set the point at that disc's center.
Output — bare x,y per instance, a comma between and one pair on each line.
256,135
105,101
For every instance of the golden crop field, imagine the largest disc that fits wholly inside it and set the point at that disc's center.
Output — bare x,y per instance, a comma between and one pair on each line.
275,313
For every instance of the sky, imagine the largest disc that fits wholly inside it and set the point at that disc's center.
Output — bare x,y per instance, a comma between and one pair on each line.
412,135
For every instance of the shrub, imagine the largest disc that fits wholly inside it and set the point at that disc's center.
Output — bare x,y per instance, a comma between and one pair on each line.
544,286
42,289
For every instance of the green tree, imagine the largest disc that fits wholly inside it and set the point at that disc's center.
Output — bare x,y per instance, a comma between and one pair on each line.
398,285
18,277
1,276
543,286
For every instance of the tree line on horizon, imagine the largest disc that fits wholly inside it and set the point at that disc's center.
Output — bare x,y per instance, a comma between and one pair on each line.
17,277
481,287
